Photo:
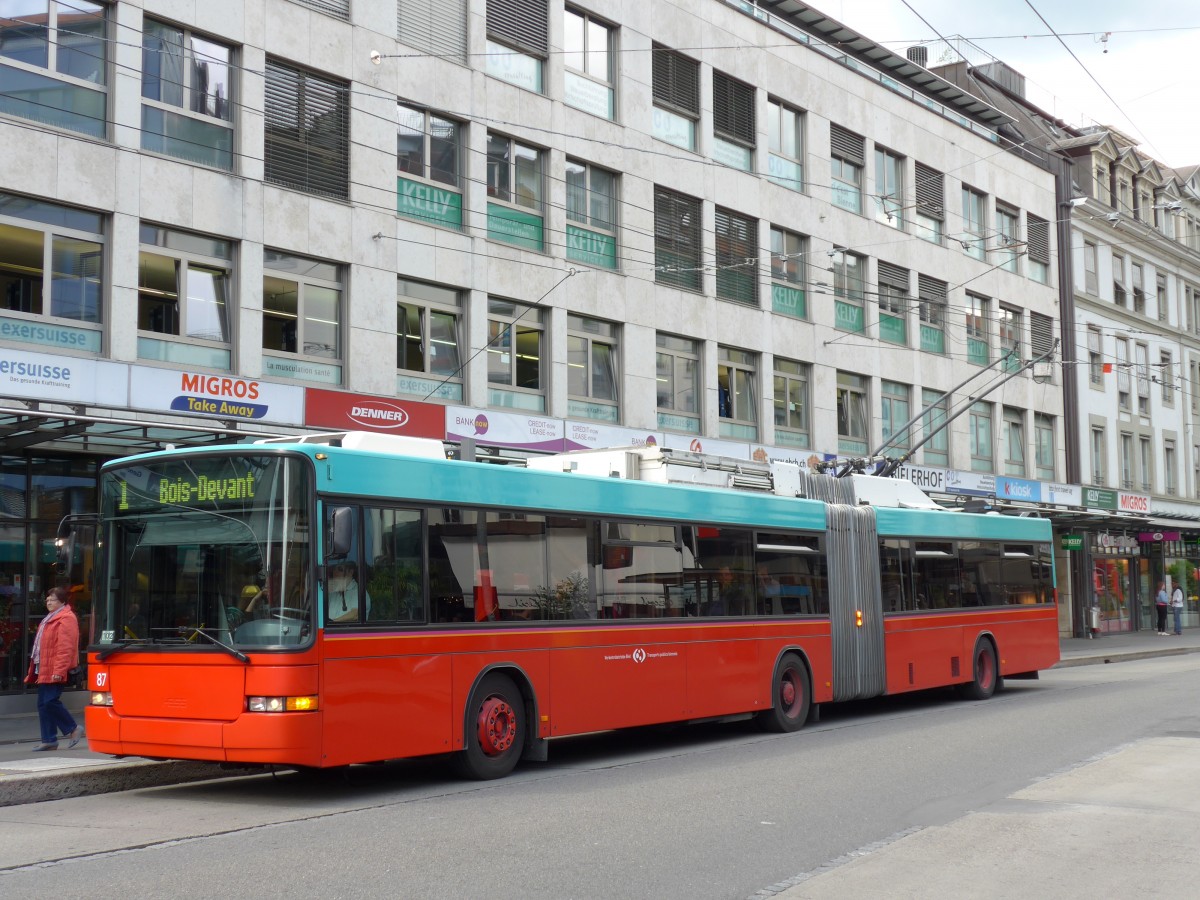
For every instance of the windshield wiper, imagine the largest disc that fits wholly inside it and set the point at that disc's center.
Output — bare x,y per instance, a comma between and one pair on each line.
232,651
117,648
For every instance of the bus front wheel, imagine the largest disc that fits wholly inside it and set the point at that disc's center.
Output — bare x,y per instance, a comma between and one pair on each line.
791,697
495,729
986,673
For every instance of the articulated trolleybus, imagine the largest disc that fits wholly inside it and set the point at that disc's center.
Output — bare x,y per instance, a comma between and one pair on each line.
352,598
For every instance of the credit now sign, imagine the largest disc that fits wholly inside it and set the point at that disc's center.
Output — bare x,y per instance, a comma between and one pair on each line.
360,412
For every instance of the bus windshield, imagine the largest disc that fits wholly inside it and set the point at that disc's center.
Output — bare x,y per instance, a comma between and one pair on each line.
206,552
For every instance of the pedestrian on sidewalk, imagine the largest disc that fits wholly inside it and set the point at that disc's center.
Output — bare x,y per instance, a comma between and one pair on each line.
1160,607
1177,608
55,654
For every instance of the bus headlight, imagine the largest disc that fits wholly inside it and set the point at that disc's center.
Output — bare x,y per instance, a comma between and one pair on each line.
281,704
101,698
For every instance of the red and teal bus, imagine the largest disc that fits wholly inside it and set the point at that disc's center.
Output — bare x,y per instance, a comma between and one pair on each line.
318,604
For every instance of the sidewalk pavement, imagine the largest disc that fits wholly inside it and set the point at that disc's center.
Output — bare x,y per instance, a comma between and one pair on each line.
27,777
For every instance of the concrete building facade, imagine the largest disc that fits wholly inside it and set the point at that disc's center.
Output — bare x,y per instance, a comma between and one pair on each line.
715,225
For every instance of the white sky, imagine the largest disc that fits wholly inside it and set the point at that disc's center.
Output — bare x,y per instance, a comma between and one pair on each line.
1150,69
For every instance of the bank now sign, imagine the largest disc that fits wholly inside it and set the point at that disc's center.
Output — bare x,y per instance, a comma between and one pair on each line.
361,412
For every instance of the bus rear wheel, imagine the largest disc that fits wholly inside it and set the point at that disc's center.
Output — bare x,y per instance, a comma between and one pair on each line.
986,673
791,697
495,729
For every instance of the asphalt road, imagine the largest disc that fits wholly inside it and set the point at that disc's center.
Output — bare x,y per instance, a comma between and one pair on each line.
701,812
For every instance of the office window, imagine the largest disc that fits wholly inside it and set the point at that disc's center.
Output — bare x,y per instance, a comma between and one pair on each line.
428,341
591,214
785,136
895,411
853,420
1166,377
439,27
1008,335
737,257
737,393
1014,442
894,303
1008,237
974,207
1038,248
184,282
517,41
56,252
889,188
1139,288
677,376
676,89
1142,353
932,299
1123,382
514,356
1170,474
978,350
592,369
677,240
1146,464
931,203
846,168
1097,457
515,192
1095,356
588,56
733,122
979,426
1091,285
1125,460
307,131
302,317
789,273
849,274
1043,439
936,451
187,108
428,160
54,63
790,402
1120,296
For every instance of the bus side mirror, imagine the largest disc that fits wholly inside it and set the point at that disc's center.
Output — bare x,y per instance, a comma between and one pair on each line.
341,532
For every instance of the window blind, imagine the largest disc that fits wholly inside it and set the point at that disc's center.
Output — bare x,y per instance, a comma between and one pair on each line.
931,191
846,144
931,289
521,23
676,80
1041,334
677,239
435,26
893,275
307,129
1038,236
339,9
733,108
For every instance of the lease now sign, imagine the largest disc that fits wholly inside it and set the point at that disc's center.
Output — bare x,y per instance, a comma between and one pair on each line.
361,412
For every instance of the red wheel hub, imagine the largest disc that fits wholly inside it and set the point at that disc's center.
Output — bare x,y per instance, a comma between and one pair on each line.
787,692
497,726
987,669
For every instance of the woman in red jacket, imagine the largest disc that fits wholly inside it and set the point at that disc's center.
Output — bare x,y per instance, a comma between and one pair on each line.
55,654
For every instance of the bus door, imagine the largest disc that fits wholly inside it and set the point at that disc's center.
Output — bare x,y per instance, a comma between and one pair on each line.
855,604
